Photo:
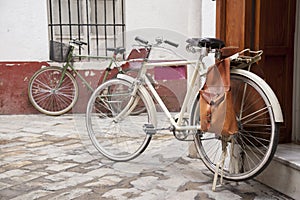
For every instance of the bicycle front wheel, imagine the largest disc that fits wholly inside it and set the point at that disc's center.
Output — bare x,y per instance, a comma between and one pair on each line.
253,147
50,97
114,132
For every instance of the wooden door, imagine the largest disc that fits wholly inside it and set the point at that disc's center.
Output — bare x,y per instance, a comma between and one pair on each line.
268,25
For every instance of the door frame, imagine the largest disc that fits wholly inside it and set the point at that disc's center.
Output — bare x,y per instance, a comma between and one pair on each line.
296,82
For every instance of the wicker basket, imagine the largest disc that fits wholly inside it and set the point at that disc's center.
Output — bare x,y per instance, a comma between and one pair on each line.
59,51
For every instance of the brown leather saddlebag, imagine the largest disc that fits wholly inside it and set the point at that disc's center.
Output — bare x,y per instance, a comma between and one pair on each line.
217,113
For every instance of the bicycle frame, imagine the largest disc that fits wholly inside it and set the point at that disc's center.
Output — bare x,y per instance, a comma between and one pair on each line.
142,77
68,65
113,60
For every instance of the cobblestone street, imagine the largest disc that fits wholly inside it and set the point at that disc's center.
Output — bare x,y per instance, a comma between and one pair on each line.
43,157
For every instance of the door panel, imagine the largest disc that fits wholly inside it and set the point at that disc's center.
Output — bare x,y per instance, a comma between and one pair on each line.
277,26
268,25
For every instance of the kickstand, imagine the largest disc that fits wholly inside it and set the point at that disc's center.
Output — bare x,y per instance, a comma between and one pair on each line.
220,164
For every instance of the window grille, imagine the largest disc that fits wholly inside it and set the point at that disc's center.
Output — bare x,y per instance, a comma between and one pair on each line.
100,23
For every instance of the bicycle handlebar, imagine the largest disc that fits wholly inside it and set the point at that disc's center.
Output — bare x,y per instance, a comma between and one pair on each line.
118,50
171,43
141,40
78,42
158,41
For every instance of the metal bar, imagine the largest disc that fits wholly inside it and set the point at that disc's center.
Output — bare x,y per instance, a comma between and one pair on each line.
88,25
59,19
50,19
114,22
70,18
123,24
105,27
60,27
78,21
96,27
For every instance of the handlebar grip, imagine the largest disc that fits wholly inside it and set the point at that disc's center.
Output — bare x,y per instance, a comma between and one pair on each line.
78,42
137,38
118,50
110,49
171,43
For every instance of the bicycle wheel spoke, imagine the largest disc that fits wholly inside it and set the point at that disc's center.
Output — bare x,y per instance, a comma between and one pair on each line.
61,101
248,143
247,135
39,84
255,115
249,102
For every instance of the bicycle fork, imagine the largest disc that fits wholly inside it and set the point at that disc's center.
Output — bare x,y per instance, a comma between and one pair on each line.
132,103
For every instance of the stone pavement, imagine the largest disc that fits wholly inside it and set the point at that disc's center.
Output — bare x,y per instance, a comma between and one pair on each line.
43,157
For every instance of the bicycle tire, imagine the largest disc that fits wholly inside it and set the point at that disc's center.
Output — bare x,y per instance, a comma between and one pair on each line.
256,141
119,137
47,97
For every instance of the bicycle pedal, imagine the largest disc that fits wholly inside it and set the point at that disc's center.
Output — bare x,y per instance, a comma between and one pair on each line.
149,129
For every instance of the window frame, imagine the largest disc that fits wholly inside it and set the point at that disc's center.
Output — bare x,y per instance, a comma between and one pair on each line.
99,33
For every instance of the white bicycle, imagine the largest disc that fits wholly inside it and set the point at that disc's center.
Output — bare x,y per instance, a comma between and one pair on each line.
120,136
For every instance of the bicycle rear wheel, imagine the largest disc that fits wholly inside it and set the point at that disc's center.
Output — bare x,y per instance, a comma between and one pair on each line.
255,143
47,96
114,132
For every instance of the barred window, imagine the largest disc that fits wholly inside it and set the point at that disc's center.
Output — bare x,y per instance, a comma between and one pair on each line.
97,22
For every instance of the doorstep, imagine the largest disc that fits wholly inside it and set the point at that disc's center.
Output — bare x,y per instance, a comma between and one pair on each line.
283,173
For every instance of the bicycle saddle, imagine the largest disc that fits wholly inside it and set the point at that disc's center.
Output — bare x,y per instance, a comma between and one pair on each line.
213,43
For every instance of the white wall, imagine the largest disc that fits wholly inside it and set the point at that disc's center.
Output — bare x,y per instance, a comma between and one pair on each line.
208,18
194,18
23,30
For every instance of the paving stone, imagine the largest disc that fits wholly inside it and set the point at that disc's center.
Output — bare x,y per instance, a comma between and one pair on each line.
33,195
38,144
13,144
33,129
100,172
223,195
151,194
60,166
121,193
189,194
105,181
4,185
145,183
62,176
14,172
76,193
27,177
76,158
44,157
70,182
31,139
17,164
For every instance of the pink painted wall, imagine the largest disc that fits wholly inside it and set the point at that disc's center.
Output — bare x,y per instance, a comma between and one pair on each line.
15,77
